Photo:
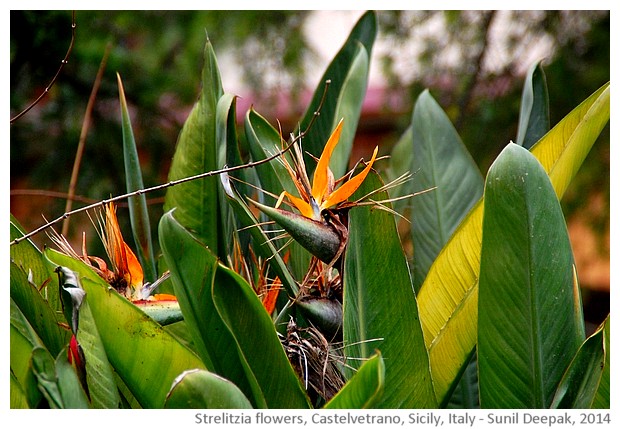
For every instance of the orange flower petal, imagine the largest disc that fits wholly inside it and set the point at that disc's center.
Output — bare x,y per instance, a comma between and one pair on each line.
320,182
304,208
164,297
270,296
113,239
124,261
133,267
349,187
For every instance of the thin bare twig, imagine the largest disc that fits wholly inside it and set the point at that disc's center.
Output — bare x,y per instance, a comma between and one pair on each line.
64,196
64,61
151,189
49,194
80,149
180,181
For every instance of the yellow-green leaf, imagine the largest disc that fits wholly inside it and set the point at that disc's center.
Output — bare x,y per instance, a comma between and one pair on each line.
448,299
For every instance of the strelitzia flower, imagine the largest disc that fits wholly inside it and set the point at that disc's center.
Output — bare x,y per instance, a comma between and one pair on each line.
322,194
125,273
317,227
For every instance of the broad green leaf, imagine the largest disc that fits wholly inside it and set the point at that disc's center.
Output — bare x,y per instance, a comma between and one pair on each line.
602,398
562,151
380,309
530,322
230,318
37,310
202,389
44,369
40,304
23,340
534,114
71,391
440,160
226,132
129,401
180,331
256,338
99,373
163,312
349,107
57,380
581,382
448,299
145,356
348,74
26,255
196,202
192,269
138,212
364,389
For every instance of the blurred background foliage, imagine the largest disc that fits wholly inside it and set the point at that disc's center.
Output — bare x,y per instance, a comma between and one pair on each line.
472,61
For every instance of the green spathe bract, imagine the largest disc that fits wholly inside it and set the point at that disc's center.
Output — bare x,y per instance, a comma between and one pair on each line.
319,238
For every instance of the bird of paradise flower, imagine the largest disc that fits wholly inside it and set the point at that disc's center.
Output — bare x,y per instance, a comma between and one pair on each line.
322,194
320,226
125,273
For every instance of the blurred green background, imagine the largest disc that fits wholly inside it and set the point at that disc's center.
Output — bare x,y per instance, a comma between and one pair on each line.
472,61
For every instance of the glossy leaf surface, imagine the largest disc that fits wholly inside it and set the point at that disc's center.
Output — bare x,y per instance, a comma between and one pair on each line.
192,270
530,321
200,389
440,160
99,373
380,314
196,202
145,356
603,393
69,384
229,319
255,336
261,243
23,340
37,310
